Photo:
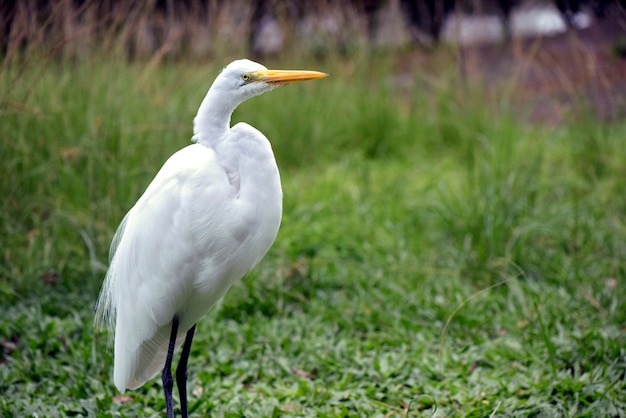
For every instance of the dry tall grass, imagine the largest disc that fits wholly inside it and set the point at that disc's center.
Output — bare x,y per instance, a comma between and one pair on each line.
155,29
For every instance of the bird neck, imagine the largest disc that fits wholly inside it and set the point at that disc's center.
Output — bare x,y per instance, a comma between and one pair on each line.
213,119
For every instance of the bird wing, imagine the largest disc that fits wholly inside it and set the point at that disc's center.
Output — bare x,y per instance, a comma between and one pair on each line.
157,253
105,308
115,242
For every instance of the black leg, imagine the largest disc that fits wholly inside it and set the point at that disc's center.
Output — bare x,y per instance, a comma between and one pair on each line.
168,380
181,372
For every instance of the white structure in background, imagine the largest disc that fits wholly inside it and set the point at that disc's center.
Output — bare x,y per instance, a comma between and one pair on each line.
542,19
467,29
537,20
345,27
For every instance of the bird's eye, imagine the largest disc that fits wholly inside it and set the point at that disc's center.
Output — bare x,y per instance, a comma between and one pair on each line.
245,77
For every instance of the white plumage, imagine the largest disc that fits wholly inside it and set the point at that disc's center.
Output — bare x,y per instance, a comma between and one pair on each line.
210,214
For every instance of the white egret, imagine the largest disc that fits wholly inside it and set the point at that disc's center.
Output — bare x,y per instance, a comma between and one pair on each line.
208,217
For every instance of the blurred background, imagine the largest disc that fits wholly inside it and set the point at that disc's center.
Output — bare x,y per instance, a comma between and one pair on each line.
454,225
553,51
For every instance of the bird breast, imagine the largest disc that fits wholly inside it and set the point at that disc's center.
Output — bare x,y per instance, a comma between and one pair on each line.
234,223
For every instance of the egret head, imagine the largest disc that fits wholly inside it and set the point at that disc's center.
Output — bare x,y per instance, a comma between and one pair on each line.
243,79
239,81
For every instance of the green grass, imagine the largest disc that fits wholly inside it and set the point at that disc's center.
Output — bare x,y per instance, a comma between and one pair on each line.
437,256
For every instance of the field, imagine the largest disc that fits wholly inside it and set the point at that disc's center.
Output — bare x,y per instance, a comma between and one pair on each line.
438,254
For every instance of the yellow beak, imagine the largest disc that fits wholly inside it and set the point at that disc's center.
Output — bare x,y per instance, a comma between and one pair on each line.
287,76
